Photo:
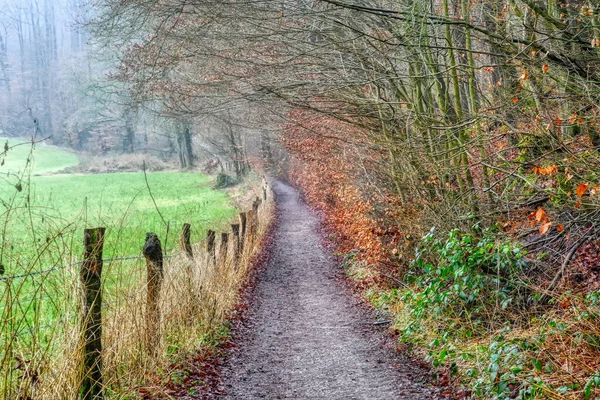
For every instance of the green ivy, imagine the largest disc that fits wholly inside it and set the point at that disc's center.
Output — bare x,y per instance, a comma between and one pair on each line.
459,283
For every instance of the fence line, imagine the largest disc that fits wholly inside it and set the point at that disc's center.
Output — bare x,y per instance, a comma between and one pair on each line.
46,294
73,264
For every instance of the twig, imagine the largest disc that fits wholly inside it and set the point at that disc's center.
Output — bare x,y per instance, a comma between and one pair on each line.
393,278
383,322
568,258
151,196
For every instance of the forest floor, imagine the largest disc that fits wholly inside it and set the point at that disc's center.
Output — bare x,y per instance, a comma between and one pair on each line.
306,336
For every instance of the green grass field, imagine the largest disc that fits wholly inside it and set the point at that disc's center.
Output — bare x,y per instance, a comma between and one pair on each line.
122,203
43,214
48,205
44,158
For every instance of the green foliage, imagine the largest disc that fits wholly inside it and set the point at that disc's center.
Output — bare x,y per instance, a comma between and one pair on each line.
464,276
460,285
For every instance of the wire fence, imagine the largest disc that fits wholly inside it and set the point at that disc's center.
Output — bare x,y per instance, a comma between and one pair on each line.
76,263
46,295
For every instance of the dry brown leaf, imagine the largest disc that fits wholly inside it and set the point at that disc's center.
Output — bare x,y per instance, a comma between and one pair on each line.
544,228
523,76
540,214
581,189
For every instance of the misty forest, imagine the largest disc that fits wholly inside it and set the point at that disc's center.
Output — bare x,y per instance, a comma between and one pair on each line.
308,199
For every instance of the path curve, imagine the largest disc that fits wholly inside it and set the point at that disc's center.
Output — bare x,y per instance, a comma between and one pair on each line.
308,338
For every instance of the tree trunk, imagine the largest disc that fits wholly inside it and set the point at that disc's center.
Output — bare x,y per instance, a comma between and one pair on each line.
184,143
129,139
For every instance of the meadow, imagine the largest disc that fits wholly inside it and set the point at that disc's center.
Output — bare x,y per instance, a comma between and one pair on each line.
43,213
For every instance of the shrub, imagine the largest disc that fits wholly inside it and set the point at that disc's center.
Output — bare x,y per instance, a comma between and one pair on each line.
224,181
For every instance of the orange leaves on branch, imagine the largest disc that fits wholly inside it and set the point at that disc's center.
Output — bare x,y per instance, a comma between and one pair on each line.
549,170
524,76
581,189
595,190
560,228
545,68
587,11
540,216
515,100
573,118
565,304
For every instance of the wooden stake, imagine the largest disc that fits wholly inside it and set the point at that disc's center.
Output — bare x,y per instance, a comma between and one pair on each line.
210,244
154,264
184,240
91,279
250,230
237,249
243,227
223,248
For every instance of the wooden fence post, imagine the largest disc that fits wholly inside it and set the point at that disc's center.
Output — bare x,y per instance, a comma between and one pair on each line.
91,278
250,217
184,240
186,247
235,229
154,264
223,248
256,204
243,228
210,244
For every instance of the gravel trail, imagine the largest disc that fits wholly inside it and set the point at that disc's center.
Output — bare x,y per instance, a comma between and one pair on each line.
308,337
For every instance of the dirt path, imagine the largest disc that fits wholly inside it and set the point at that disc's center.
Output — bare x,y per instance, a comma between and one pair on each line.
308,338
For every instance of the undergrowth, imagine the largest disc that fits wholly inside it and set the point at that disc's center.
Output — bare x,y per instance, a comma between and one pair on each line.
468,307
